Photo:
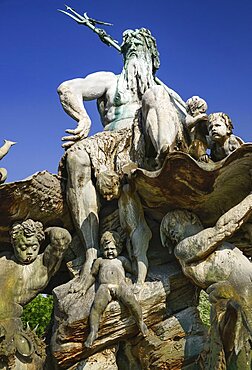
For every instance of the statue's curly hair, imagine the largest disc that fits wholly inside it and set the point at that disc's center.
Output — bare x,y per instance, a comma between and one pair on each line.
172,218
196,103
224,117
109,235
27,228
150,42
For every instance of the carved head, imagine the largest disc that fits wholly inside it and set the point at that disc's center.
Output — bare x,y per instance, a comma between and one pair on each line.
140,43
26,237
108,185
220,126
196,105
111,245
178,225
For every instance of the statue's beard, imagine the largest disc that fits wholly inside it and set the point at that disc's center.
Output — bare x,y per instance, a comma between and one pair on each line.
137,75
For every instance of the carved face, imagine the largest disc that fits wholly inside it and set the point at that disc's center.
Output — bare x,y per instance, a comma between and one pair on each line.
135,47
108,184
26,249
111,193
110,249
218,130
181,231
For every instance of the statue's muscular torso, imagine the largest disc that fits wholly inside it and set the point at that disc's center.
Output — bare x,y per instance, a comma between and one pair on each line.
19,284
117,108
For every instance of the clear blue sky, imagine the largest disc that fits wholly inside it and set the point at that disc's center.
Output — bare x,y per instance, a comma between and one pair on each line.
205,49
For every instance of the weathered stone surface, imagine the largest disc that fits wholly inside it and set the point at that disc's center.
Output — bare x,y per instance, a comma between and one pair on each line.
170,292
173,343
40,197
208,189
105,360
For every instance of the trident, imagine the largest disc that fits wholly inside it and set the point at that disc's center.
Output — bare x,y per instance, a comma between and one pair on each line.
108,40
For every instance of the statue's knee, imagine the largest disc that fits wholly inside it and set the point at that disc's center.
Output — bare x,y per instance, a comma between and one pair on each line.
77,158
63,88
154,94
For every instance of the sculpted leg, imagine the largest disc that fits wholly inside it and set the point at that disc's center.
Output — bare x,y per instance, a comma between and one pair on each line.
126,296
133,222
102,299
160,119
82,201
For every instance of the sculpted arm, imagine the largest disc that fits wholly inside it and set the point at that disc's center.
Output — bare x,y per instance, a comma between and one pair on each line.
126,264
199,246
59,241
192,121
72,93
90,279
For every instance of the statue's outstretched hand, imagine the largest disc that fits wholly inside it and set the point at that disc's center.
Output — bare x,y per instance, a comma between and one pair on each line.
192,121
81,132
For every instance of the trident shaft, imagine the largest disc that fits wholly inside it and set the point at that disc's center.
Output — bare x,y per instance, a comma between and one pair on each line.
108,40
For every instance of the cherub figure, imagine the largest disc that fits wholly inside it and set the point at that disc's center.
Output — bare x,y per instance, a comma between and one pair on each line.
196,122
222,140
23,275
132,220
112,284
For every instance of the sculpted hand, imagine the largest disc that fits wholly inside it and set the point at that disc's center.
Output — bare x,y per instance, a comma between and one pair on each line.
191,121
204,158
201,117
81,132
77,287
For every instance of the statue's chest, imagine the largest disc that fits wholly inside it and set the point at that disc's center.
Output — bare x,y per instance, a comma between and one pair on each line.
118,98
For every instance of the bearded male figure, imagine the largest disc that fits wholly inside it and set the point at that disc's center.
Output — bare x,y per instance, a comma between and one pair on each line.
122,100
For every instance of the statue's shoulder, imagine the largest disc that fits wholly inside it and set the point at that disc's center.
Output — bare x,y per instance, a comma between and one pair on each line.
102,76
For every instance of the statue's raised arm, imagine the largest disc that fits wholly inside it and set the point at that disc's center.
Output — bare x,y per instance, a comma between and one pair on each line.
3,151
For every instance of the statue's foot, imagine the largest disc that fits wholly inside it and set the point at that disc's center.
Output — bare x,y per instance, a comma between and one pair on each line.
90,340
144,329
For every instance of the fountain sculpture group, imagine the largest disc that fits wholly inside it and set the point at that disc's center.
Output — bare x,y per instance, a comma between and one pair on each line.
139,219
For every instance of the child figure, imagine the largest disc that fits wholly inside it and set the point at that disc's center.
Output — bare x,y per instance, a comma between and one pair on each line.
196,121
111,274
222,141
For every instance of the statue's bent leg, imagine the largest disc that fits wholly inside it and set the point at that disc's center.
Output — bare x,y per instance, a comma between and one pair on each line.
126,296
160,119
133,222
102,299
83,204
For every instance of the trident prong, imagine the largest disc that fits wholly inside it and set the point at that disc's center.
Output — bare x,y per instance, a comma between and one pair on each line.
94,21
82,19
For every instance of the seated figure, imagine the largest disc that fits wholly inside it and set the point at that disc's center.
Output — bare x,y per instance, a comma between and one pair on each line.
23,275
222,140
136,113
112,284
